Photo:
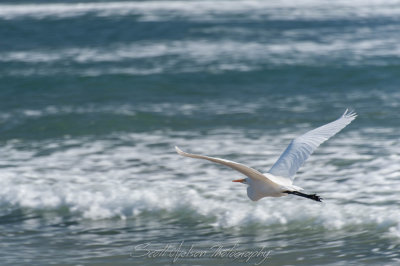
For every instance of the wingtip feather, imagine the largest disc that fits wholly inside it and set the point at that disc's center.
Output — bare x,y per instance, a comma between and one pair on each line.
349,113
179,151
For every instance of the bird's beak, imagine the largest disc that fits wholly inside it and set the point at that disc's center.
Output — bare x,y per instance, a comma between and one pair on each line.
238,180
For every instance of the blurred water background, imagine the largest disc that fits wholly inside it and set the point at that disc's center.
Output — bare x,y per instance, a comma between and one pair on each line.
95,94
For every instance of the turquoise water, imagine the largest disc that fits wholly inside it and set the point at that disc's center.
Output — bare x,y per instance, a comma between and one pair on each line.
95,95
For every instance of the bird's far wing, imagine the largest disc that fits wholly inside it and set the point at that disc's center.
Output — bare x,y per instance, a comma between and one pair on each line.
303,146
247,171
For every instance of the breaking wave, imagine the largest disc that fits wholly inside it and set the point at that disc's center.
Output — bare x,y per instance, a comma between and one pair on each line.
129,175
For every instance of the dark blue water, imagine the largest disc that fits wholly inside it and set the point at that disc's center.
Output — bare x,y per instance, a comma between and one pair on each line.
95,95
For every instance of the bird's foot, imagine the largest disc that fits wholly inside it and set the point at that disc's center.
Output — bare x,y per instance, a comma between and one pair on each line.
315,197
308,196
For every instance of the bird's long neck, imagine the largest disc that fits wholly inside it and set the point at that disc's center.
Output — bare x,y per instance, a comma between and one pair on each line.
308,196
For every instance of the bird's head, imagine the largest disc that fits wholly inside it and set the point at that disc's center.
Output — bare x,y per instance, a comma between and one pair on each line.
243,181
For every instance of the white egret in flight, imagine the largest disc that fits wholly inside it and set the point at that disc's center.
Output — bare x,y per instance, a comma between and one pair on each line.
278,181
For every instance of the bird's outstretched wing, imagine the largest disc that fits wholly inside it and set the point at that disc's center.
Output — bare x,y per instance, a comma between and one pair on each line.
303,146
247,171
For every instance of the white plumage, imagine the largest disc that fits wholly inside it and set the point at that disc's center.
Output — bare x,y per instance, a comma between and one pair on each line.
279,179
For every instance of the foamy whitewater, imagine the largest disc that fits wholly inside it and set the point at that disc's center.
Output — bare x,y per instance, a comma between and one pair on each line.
96,94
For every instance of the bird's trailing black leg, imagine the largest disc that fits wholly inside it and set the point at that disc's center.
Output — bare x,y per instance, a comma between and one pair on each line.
308,196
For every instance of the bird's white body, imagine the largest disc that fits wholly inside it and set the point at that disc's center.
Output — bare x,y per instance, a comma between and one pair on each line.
273,186
278,181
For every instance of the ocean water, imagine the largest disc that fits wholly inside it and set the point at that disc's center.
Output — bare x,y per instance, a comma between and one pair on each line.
95,95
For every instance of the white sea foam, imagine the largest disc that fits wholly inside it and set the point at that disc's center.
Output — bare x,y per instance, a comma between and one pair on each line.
201,55
207,10
131,174
294,103
165,109
205,51
359,45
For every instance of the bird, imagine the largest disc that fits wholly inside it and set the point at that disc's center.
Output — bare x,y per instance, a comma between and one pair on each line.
278,181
